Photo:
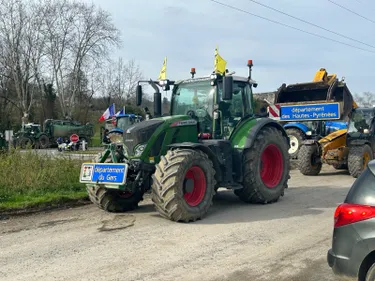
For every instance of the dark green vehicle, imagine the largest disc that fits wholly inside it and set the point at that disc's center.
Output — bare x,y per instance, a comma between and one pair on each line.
32,135
211,140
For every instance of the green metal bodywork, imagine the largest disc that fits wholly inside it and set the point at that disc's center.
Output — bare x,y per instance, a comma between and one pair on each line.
239,135
189,133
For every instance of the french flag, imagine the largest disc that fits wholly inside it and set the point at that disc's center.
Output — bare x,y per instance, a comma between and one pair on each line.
122,111
108,113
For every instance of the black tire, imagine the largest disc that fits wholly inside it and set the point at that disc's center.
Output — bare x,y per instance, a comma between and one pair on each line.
271,144
296,137
168,185
308,163
26,143
370,275
356,159
43,142
113,200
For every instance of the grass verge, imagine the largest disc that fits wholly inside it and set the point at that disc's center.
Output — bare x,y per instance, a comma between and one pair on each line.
29,180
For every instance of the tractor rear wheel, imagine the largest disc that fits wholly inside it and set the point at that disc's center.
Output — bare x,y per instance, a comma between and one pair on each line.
183,185
358,158
266,168
114,200
296,137
309,163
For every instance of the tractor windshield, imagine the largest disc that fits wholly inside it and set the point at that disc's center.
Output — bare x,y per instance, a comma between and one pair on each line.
192,97
125,122
197,98
360,121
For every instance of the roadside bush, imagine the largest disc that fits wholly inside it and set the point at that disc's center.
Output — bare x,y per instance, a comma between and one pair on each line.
28,179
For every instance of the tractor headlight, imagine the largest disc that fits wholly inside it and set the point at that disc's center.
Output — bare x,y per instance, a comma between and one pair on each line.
139,149
116,138
308,133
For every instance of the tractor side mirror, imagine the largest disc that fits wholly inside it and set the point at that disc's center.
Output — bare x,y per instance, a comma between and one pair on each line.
138,95
227,87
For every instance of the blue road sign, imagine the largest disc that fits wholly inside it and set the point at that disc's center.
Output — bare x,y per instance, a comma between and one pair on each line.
324,111
104,173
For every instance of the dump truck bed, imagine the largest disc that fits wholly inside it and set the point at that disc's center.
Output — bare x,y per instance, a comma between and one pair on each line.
312,101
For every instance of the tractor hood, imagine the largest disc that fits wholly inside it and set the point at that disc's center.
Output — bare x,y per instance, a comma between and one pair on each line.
148,131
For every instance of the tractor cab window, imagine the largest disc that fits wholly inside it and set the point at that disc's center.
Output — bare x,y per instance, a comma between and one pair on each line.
360,122
125,122
195,99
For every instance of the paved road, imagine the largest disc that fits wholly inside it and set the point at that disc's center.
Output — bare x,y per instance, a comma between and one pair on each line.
286,241
75,155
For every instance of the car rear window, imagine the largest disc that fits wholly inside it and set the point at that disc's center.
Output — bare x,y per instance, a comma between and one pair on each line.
363,189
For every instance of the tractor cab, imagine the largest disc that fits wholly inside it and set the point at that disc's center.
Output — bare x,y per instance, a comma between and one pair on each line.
216,111
31,128
123,121
119,123
361,126
218,103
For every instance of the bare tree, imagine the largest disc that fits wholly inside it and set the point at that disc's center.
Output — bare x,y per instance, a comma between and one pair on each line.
22,49
122,78
78,35
366,99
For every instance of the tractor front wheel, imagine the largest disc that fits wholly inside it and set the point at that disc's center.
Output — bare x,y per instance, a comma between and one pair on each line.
114,200
43,142
296,137
266,168
358,158
309,163
183,185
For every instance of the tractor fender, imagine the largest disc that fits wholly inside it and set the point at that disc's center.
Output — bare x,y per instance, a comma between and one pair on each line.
204,149
297,125
260,124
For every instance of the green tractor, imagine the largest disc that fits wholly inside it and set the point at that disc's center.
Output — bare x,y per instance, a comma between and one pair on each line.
211,140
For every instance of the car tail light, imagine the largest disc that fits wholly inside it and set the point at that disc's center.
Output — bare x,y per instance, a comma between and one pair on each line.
350,213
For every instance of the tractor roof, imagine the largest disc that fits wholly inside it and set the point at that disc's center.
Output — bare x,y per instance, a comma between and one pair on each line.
127,115
207,78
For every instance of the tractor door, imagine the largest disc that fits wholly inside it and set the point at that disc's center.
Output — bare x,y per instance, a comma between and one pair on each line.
236,109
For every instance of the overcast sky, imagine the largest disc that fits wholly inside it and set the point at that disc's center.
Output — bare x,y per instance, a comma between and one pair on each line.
187,31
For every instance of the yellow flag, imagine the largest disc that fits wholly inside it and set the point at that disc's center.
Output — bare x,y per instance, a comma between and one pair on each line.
163,71
220,63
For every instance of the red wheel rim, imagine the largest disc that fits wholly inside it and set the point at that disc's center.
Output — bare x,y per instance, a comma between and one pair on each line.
272,166
196,196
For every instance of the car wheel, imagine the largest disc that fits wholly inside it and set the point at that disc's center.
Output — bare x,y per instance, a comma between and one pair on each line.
370,275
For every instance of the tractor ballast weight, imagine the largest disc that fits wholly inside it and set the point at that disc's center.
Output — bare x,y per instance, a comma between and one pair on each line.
210,140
